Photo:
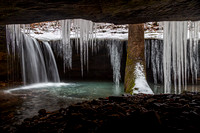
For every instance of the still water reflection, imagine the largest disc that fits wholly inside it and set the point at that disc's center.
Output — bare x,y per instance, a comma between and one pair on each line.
53,96
159,88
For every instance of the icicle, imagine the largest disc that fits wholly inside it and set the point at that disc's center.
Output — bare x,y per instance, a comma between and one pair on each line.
161,25
185,53
84,30
174,54
153,55
193,46
67,48
153,60
148,52
115,51
167,57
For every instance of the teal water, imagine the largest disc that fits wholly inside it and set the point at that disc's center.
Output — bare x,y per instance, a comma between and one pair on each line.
53,96
159,88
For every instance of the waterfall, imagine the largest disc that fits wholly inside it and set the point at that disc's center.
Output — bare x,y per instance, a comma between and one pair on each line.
37,65
52,71
37,60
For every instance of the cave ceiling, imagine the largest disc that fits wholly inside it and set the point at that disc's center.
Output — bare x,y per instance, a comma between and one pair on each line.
113,11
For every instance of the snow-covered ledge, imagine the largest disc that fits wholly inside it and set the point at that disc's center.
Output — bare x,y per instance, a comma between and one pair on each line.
51,31
141,85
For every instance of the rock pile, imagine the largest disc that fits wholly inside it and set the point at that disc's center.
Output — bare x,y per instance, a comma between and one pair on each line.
166,112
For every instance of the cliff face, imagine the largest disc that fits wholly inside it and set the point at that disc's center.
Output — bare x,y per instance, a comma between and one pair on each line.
114,11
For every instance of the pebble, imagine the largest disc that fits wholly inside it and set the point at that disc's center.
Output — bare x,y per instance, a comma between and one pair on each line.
114,114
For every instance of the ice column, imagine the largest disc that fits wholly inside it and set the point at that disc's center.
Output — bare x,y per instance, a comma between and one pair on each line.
66,45
175,55
194,29
154,58
83,30
115,51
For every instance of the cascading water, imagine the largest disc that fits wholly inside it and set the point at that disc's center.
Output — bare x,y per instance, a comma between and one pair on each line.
36,65
79,31
52,71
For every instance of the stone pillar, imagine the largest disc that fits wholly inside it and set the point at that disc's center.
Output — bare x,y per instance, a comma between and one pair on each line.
135,54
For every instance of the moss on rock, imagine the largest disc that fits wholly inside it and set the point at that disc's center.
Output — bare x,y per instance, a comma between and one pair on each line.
135,54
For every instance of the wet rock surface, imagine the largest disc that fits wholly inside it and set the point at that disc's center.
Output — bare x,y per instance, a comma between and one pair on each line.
7,111
167,112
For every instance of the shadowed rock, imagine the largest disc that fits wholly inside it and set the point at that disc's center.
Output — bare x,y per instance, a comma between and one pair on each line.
115,11
157,113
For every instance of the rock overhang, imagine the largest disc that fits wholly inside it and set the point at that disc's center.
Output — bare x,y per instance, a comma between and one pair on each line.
112,11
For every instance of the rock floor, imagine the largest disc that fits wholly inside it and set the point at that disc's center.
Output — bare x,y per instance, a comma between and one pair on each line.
166,112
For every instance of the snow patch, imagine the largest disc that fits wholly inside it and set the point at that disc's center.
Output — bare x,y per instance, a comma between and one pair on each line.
48,31
141,85
47,36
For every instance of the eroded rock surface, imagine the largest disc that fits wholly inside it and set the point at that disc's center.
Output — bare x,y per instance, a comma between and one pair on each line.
115,11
